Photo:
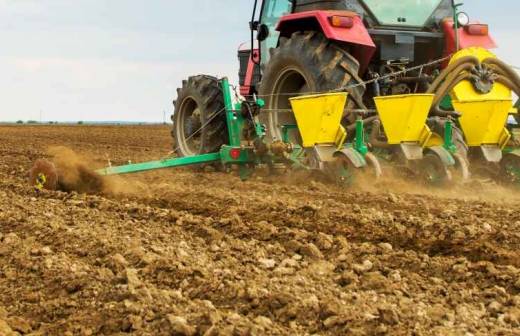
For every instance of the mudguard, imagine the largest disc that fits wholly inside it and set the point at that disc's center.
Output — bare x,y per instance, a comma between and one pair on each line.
353,156
443,155
249,72
320,20
466,40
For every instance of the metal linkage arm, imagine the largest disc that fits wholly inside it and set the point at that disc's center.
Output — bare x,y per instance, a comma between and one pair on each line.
160,164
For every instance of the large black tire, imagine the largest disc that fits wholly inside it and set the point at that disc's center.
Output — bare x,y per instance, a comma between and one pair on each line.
199,103
305,63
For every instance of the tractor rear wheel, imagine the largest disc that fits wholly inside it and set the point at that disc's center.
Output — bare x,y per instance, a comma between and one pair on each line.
306,63
199,119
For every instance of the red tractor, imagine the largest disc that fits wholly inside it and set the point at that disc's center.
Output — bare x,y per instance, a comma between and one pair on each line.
312,46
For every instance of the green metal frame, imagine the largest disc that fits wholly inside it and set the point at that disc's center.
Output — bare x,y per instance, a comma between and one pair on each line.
246,157
159,164
449,145
285,132
360,144
235,123
456,22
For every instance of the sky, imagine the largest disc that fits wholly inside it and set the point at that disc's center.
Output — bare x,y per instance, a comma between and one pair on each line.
91,60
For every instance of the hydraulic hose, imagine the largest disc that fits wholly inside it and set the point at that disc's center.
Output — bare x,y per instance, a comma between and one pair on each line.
450,69
510,72
466,69
443,91
447,86
508,83
450,75
506,75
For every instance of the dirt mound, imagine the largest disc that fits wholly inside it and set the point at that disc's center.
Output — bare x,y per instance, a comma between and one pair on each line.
69,171
193,253
43,175
75,172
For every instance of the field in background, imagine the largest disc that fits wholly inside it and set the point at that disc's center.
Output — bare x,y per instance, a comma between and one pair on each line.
187,252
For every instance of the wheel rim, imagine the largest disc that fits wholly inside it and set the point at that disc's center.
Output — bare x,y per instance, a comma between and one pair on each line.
290,83
434,171
189,127
461,172
343,171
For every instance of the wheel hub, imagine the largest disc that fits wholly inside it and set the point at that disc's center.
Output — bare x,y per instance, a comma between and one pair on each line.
190,124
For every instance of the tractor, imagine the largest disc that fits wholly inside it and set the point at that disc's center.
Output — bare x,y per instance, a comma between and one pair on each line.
343,86
368,48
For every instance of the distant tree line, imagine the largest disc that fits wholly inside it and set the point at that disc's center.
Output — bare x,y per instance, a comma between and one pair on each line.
34,122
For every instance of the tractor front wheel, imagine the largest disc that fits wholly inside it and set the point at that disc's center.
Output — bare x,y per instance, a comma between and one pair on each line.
199,120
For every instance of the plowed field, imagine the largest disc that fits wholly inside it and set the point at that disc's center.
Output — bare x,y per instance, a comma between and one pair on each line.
186,252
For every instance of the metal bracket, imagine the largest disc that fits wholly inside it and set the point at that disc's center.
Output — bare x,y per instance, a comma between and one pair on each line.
323,154
492,153
448,137
359,142
285,132
412,151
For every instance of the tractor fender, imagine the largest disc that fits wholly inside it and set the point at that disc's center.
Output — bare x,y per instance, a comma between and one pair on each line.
353,156
320,20
466,40
249,72
443,154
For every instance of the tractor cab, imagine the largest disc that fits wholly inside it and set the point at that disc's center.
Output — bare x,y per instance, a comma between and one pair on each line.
271,12
405,14
417,75
382,18
382,36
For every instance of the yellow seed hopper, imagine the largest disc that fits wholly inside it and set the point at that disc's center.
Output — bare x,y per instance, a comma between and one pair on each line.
483,121
404,118
319,118
483,114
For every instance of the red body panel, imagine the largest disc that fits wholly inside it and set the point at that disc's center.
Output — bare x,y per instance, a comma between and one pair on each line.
246,89
465,40
357,35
